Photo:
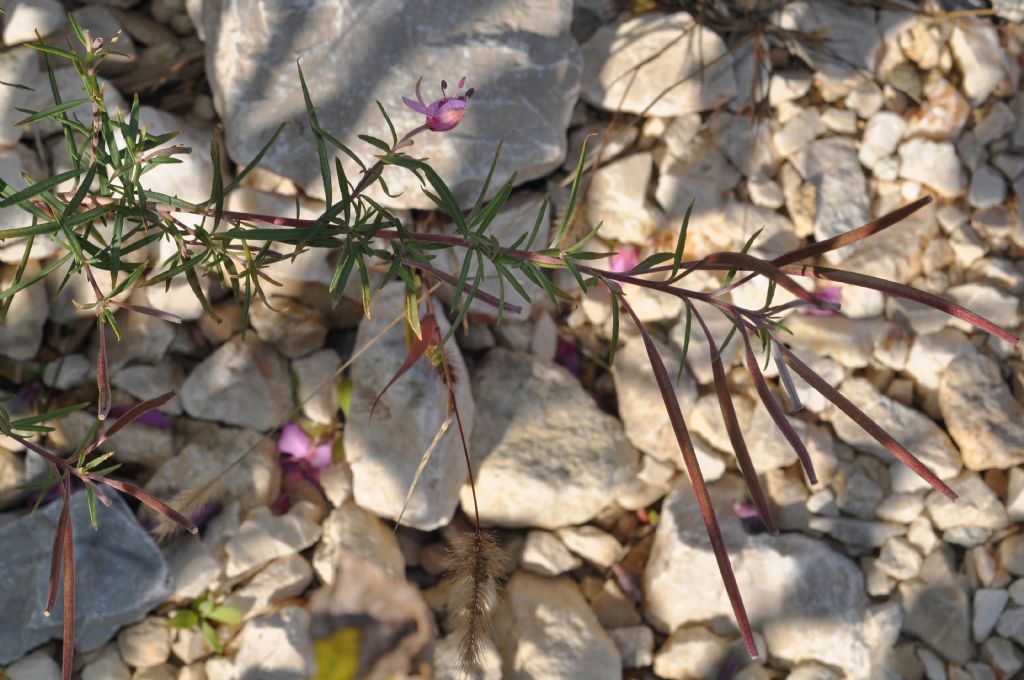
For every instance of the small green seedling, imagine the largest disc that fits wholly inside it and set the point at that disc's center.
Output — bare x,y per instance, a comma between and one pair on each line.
204,613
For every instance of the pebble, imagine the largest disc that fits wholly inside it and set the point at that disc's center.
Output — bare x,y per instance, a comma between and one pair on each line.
315,390
1011,554
937,610
975,47
765,192
283,578
841,203
636,645
981,414
899,559
1003,656
276,647
787,85
997,122
798,132
942,115
544,629
988,605
551,458
243,383
682,584
592,544
264,537
918,433
145,644
21,333
618,199
987,188
977,505
691,652
288,326
663,67
934,164
350,529
193,565
545,554
882,135
23,19
35,666
900,507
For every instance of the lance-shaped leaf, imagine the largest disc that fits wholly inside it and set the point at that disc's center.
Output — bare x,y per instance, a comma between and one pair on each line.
131,415
868,425
56,558
143,496
417,347
68,548
906,292
700,489
732,428
774,410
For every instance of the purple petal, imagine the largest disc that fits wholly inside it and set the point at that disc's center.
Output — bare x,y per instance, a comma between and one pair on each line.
322,457
415,106
294,441
419,94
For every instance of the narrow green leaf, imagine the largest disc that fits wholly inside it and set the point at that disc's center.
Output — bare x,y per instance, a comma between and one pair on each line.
387,119
35,189
681,243
746,247
573,195
379,143
321,148
51,112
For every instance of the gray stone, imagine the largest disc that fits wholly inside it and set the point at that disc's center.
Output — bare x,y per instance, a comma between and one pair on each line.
636,645
592,544
937,610
987,189
107,666
841,200
617,198
283,578
981,414
316,377
36,666
146,643
882,135
975,46
276,647
18,65
545,629
146,382
691,652
350,529
1011,554
254,481
798,132
242,383
264,537
657,65
899,559
124,570
24,19
788,85
642,410
916,431
545,554
840,60
988,605
551,458
385,452
525,67
808,581
289,326
934,164
856,534
977,505
21,333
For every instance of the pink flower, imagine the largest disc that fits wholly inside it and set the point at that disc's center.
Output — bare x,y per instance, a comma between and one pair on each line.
446,112
298,445
833,294
624,259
